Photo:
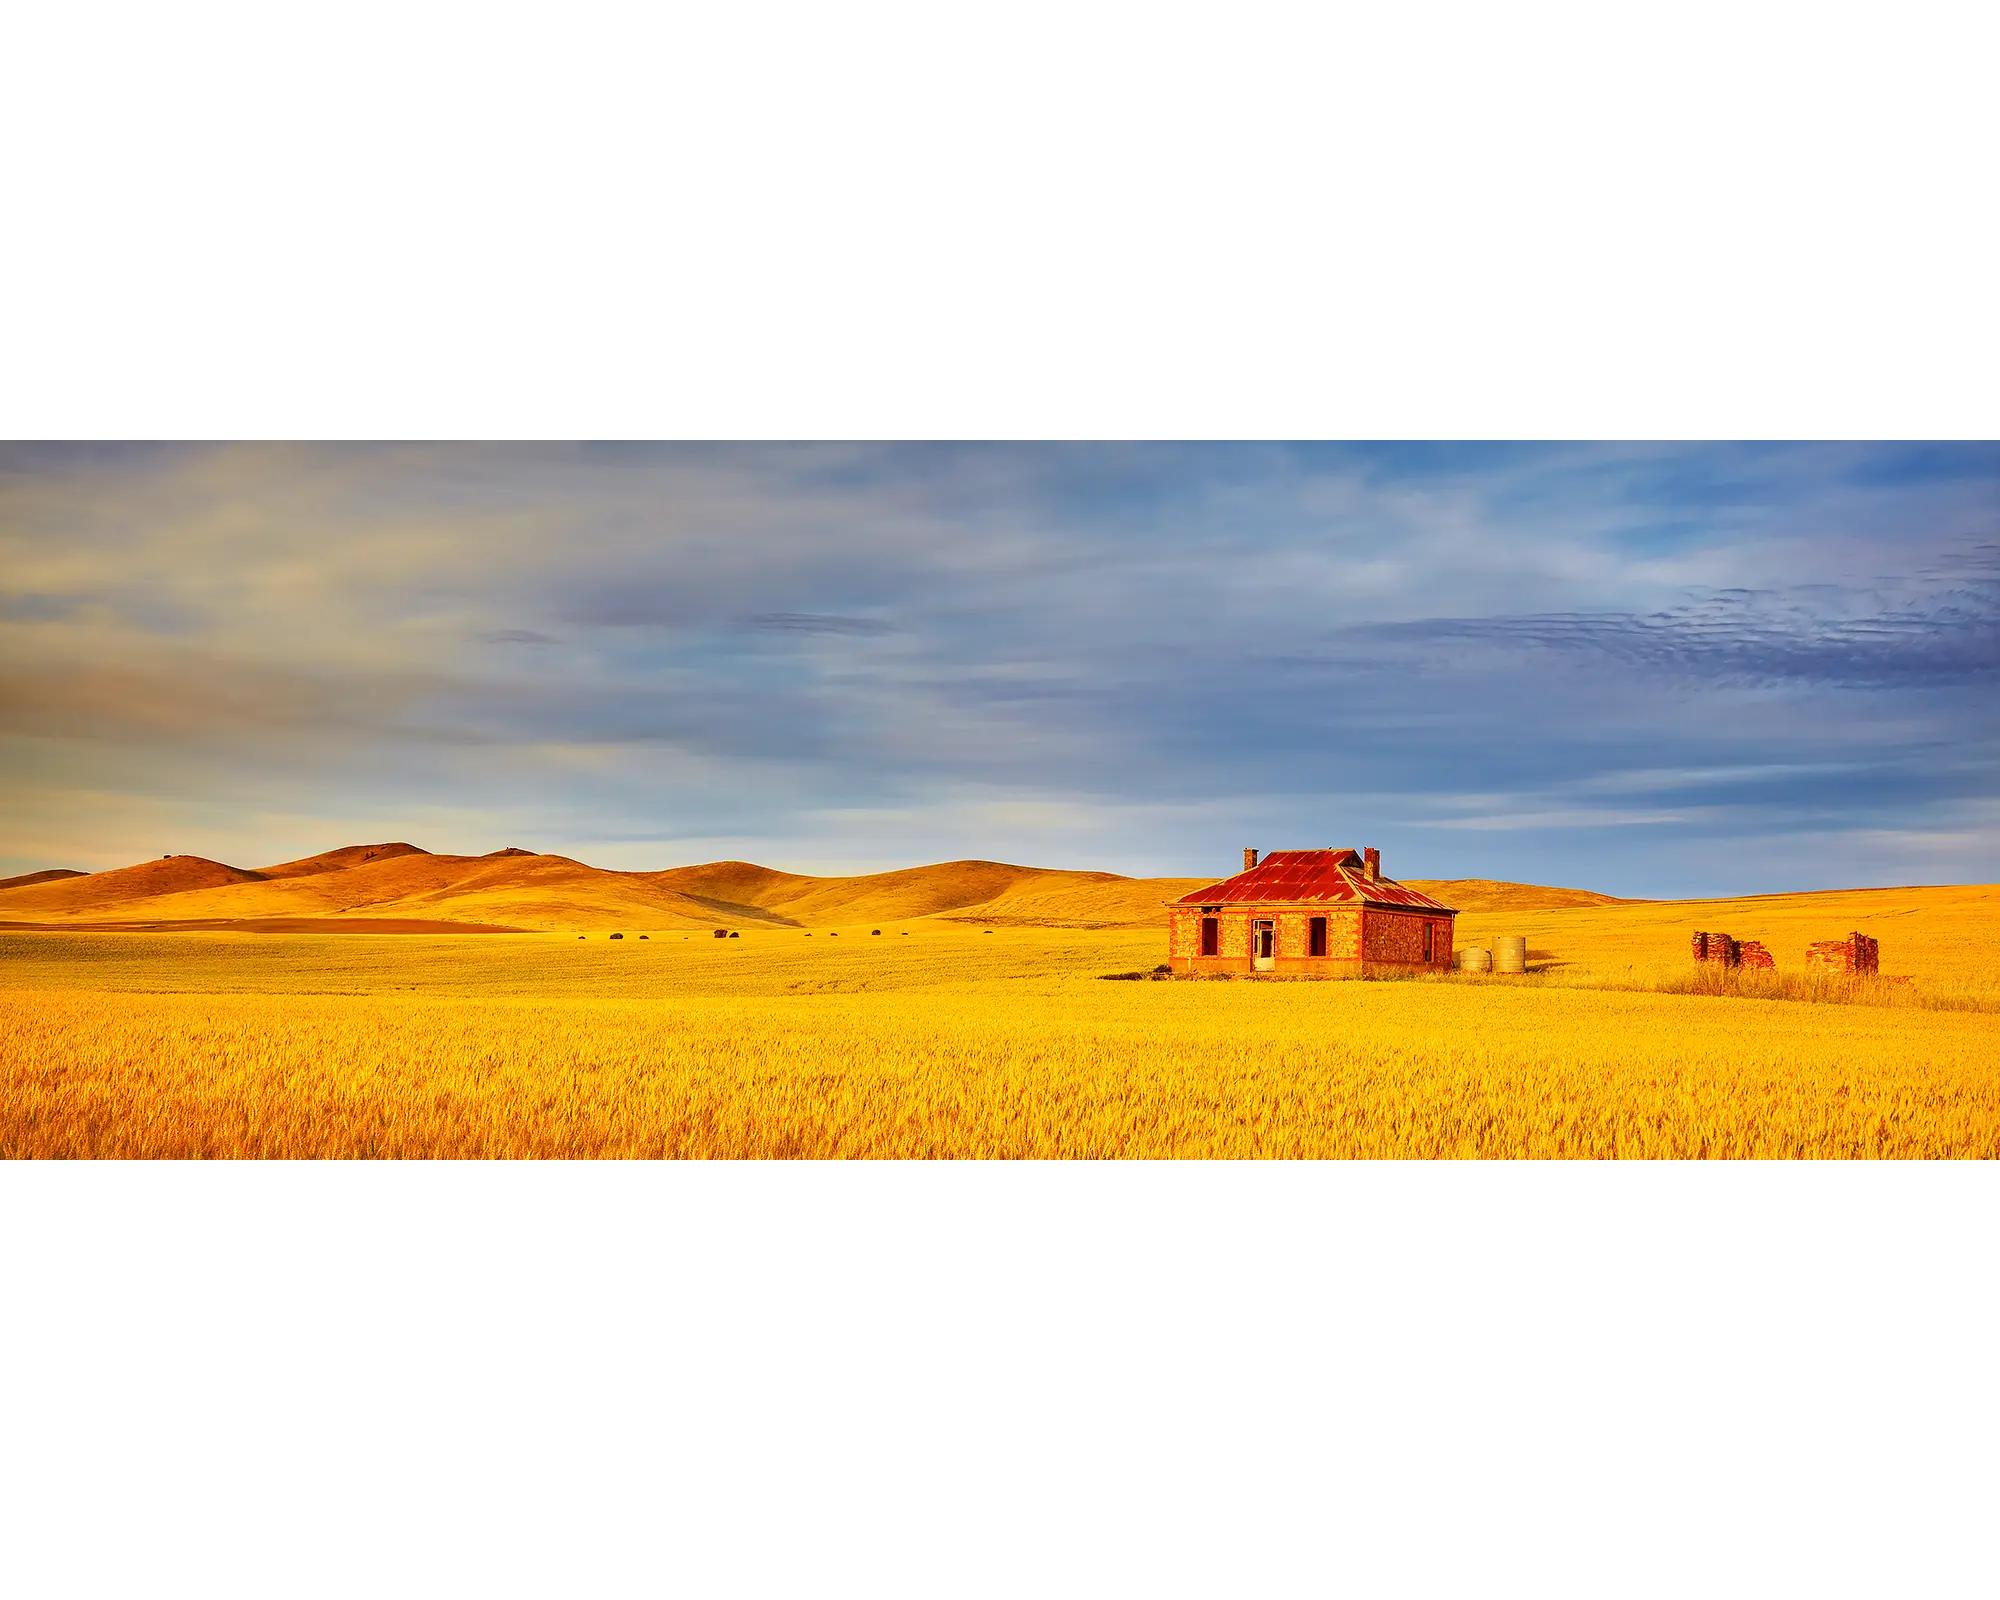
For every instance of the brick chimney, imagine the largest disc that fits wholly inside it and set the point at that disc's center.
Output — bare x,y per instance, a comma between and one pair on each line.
1371,863
1249,859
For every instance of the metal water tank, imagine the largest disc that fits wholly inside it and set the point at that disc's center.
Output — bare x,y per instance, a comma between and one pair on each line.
1474,959
1510,953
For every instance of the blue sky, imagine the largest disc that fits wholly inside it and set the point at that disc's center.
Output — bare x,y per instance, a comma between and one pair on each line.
1649,669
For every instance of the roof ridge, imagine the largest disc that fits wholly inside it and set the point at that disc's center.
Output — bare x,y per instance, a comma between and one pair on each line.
1321,875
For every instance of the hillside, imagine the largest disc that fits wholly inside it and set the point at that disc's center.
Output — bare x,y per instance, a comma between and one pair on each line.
352,855
734,882
399,887
393,884
991,892
50,876
1082,900
119,889
513,891
1490,894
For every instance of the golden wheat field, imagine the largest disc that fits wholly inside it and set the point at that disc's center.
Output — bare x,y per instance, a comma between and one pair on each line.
942,1040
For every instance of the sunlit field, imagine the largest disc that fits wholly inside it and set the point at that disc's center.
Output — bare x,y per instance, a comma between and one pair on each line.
936,1040
1945,939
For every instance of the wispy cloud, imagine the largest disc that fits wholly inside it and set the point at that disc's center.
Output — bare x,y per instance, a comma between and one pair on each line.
1511,821
1750,637
516,636
812,622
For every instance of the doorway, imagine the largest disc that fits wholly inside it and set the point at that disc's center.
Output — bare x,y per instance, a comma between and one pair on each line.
1263,947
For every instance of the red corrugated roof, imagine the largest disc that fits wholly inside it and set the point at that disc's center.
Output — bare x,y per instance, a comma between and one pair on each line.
1310,877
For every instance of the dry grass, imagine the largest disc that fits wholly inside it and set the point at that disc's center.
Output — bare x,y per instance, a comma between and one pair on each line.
939,1042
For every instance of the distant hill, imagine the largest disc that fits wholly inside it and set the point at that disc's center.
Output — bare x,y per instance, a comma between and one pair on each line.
50,876
374,882
992,892
352,855
91,892
1490,894
400,884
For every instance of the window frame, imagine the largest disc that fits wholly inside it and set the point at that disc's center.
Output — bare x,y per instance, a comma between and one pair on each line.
1211,936
1316,936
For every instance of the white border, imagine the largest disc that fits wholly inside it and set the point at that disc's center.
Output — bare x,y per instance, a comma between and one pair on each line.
1076,220
999,1379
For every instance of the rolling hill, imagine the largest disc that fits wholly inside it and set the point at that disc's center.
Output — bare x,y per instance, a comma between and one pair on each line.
50,876
399,888
414,890
93,893
1489,894
352,855
992,892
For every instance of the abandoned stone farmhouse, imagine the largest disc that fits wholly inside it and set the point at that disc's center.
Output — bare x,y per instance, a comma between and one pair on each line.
1308,913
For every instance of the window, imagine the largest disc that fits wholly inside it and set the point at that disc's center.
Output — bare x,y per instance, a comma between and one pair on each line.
1210,941
1317,935
1429,929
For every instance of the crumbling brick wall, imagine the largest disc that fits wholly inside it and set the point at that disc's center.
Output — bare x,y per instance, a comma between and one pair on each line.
1857,953
1718,947
1728,952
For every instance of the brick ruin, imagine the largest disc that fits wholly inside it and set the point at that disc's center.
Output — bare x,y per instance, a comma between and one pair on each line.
1857,953
1717,947
1728,952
